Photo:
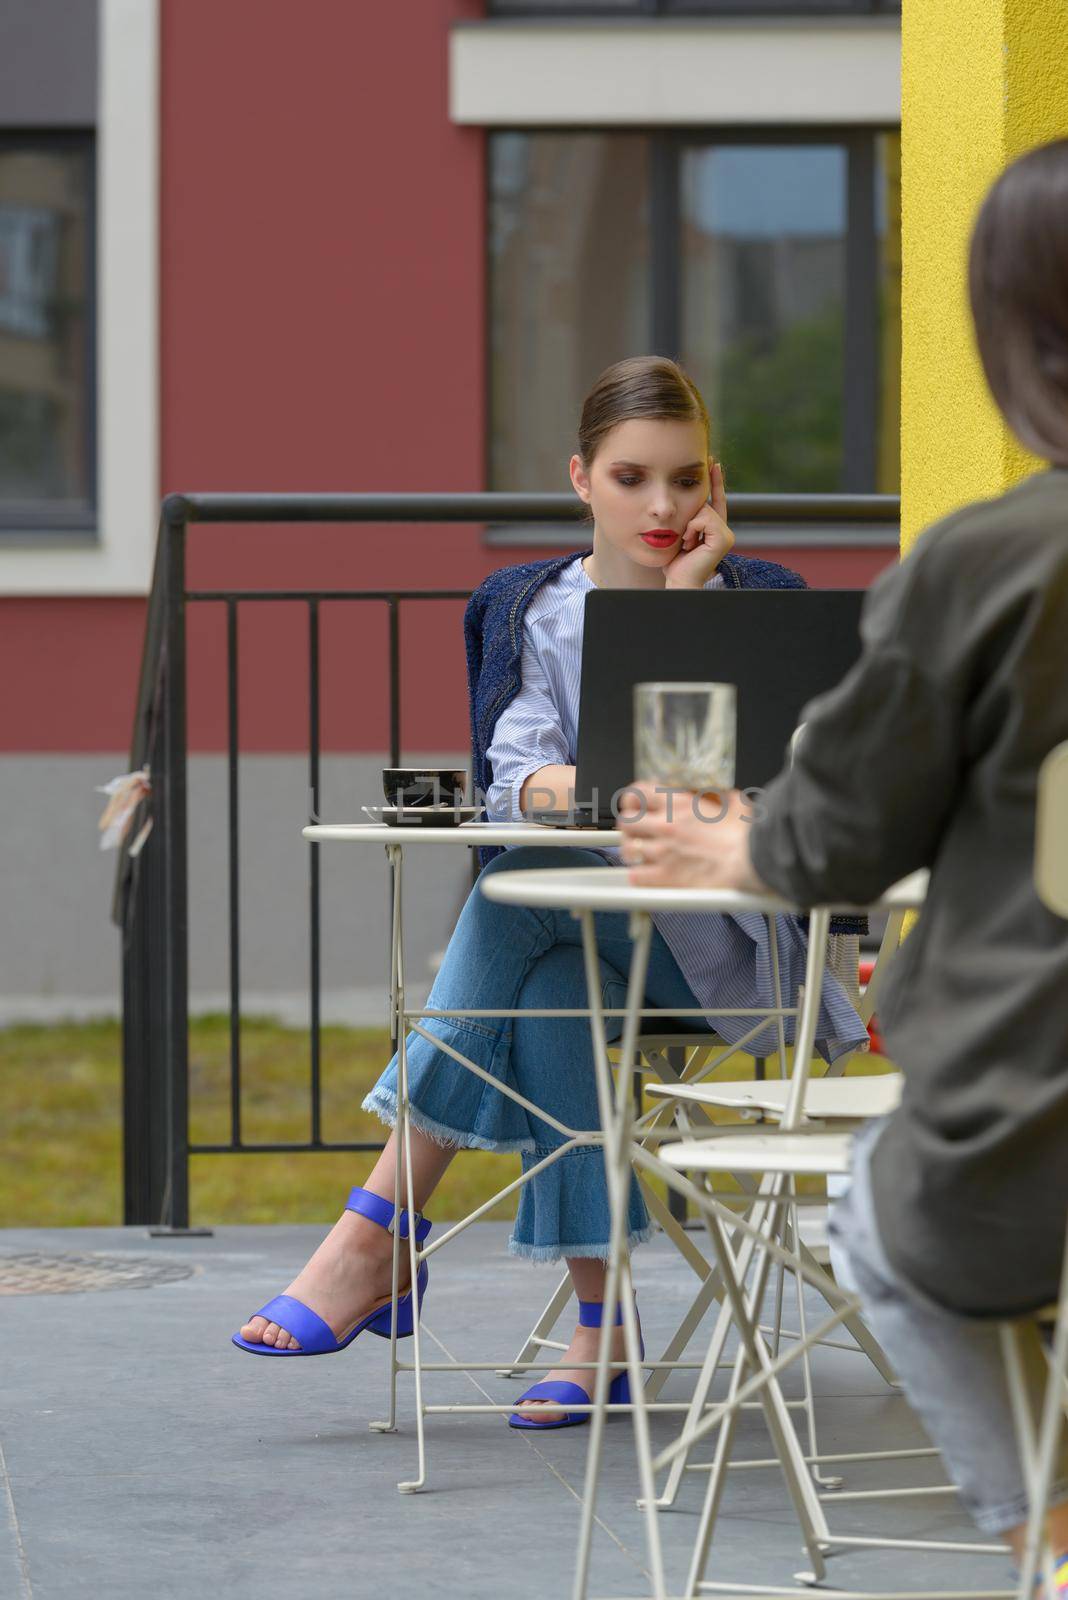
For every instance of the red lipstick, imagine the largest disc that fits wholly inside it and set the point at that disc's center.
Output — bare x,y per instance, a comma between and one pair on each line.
660,538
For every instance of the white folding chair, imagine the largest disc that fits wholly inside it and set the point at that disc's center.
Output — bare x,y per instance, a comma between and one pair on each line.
833,1101
703,1052
660,1045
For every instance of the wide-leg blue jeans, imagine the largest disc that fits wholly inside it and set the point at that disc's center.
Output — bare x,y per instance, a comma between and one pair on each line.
513,957
951,1366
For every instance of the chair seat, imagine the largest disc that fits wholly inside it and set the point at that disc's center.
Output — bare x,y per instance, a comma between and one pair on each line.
801,1153
826,1099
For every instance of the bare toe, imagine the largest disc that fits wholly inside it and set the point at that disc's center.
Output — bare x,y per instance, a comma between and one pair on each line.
294,1344
271,1334
539,1411
253,1330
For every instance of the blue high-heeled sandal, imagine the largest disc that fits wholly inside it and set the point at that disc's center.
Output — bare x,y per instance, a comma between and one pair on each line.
316,1338
562,1393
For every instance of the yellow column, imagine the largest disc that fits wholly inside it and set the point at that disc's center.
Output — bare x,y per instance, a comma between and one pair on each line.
982,81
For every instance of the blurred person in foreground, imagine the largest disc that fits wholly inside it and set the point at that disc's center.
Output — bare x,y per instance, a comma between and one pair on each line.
927,755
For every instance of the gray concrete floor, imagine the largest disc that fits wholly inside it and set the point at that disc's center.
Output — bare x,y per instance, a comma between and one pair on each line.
143,1455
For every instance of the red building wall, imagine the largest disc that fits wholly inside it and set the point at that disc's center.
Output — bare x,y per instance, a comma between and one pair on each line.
322,328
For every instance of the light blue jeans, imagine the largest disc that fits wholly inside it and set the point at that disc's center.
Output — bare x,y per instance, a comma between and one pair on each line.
951,1366
514,957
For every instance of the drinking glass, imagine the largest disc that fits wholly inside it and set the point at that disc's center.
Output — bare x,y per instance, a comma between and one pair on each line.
685,735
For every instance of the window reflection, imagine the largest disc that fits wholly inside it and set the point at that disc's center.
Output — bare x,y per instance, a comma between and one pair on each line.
569,289
45,373
750,292
763,279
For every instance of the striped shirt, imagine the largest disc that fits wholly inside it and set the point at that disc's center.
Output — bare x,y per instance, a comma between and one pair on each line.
725,960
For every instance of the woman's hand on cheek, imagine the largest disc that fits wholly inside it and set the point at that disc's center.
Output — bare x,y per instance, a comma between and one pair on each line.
706,540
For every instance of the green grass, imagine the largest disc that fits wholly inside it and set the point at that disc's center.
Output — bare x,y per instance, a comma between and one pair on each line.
61,1125
61,1137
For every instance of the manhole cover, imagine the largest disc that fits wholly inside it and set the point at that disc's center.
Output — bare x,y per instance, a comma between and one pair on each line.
38,1273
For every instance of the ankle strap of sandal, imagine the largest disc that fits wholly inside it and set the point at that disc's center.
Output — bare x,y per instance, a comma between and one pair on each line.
378,1210
591,1313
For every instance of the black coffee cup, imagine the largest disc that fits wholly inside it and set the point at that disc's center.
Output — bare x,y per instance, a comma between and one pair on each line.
415,787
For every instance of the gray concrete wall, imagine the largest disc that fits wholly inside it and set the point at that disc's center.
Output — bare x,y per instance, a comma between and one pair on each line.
59,952
48,63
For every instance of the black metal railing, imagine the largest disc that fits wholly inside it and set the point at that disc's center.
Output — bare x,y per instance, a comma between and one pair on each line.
614,10
151,892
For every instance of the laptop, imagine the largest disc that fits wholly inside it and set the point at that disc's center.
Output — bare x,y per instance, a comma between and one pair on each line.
779,647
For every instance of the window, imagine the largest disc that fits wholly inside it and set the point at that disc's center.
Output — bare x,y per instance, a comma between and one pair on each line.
763,231
47,410
569,288
769,263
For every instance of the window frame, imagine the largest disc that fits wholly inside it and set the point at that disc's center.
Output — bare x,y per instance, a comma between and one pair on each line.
117,559
61,520
861,346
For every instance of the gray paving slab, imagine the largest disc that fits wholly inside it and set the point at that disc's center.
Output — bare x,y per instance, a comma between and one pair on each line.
144,1455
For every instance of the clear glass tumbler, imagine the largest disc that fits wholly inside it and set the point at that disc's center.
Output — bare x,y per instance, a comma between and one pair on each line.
685,735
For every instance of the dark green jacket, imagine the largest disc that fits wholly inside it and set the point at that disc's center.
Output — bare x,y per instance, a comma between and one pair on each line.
927,755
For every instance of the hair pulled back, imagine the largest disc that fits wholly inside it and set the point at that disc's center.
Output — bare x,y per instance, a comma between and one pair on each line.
641,386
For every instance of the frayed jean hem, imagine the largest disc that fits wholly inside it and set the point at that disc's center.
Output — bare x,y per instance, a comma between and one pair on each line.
538,1253
382,1103
999,1519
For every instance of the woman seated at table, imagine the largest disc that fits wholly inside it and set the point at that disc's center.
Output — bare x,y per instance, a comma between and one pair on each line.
927,755
659,522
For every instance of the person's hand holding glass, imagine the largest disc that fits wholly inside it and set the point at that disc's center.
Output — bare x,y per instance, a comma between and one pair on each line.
684,756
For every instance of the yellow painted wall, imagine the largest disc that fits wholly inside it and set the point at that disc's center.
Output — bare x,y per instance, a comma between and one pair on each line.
982,81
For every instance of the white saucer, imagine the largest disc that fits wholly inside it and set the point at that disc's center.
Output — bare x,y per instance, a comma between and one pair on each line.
423,816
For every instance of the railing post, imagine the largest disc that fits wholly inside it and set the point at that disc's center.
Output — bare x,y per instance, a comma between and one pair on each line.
174,1211
152,901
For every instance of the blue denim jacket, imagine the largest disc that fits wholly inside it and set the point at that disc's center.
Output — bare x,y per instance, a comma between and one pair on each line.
493,634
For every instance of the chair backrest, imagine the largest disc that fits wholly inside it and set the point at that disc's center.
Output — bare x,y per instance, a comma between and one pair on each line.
1051,831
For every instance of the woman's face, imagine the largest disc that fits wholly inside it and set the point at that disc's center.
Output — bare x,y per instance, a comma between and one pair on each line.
647,480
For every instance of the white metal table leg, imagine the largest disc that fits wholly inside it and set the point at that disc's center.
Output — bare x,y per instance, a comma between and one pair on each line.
412,1485
404,1160
614,1102
395,856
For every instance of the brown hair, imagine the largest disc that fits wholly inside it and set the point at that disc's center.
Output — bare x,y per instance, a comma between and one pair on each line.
1018,282
641,386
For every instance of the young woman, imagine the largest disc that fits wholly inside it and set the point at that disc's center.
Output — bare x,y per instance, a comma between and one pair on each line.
659,522
927,755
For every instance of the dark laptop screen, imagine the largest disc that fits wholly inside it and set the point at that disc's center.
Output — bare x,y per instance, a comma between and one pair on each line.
780,648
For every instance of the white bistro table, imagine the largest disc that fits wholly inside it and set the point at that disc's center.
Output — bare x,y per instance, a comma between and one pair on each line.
396,841
585,892
404,1018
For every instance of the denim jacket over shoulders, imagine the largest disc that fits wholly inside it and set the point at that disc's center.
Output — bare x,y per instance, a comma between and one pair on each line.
493,635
